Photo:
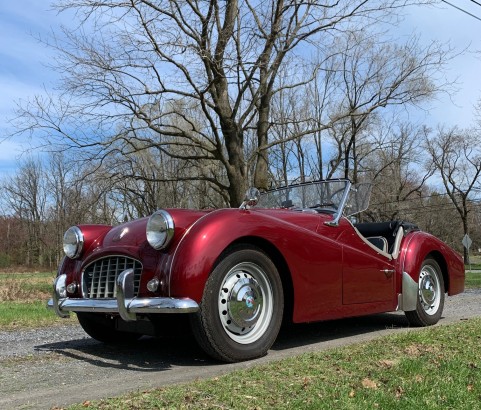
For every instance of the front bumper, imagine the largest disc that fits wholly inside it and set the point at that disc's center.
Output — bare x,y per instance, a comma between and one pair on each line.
125,304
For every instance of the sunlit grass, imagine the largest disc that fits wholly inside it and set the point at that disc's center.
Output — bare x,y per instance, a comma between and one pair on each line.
23,300
473,279
434,368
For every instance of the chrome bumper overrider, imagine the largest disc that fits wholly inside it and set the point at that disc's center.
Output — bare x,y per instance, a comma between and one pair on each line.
124,304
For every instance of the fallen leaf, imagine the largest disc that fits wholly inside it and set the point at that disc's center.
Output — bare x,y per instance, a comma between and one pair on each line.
369,384
387,363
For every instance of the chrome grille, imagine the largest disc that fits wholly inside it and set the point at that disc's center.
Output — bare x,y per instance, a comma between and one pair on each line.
99,278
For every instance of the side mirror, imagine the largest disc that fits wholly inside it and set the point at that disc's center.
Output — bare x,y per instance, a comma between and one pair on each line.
251,198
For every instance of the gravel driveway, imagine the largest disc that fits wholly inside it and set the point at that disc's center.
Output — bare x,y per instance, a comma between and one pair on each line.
54,367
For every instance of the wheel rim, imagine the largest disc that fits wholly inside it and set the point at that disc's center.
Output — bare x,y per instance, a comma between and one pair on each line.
429,289
245,303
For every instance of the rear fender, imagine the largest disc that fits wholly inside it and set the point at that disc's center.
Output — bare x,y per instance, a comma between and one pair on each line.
420,245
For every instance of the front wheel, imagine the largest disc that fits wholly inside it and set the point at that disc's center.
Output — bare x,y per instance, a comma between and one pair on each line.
430,301
242,306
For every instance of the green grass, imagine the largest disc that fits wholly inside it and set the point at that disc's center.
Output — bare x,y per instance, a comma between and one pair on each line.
15,315
23,300
473,280
435,368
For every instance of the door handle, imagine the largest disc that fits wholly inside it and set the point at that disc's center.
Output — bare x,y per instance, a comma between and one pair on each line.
388,272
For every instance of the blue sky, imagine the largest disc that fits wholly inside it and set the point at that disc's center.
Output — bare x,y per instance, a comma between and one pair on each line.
24,61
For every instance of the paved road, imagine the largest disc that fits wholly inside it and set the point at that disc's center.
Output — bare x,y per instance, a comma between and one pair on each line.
46,368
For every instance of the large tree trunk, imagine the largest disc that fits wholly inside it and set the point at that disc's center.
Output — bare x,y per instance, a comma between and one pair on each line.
465,250
261,176
236,168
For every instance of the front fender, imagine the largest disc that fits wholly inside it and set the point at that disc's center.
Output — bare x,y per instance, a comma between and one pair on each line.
310,258
197,252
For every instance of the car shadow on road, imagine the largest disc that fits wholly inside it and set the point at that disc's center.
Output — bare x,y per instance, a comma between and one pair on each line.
306,334
146,354
157,354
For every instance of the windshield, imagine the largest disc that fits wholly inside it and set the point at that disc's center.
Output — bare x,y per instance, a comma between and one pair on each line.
322,196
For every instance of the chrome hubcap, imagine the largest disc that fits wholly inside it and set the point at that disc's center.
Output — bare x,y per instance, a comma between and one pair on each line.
429,290
245,303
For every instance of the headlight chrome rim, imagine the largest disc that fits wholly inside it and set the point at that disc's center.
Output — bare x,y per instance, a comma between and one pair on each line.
73,242
160,229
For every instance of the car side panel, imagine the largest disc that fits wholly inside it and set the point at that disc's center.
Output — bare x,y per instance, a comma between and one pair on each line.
418,245
366,278
314,262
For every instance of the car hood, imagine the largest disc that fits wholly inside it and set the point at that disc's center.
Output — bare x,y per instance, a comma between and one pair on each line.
132,234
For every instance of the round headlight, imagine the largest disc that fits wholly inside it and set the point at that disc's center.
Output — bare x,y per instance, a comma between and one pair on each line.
73,242
160,229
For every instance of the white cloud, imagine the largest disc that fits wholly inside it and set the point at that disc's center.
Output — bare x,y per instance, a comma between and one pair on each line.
23,71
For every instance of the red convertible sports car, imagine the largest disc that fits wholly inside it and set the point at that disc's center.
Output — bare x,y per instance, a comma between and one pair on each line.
290,253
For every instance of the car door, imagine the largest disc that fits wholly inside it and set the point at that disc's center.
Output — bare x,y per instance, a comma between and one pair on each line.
366,275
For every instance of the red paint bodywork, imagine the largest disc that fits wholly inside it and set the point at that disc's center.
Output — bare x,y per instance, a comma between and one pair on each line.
330,270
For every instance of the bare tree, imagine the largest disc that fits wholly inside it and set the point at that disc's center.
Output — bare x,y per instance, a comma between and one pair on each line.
456,158
26,196
125,81
375,74
390,159
363,76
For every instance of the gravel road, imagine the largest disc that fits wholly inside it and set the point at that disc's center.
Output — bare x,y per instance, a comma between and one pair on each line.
53,367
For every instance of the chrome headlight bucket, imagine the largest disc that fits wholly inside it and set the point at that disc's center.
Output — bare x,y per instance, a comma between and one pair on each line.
73,242
160,229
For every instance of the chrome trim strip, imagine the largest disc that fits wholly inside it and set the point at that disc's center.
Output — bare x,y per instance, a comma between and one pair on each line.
397,243
136,305
370,244
125,305
337,215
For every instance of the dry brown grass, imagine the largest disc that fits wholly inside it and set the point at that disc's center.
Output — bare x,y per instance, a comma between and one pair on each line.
25,286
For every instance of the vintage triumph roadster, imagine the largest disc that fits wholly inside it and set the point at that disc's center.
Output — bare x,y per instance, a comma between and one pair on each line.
290,253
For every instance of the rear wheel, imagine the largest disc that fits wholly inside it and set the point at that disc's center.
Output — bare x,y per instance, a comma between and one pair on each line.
242,307
430,302
102,328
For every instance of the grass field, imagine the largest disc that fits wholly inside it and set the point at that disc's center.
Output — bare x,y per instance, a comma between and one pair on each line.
23,300
434,368
473,279
30,286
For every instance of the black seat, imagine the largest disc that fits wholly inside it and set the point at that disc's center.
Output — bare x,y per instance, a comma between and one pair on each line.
387,230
